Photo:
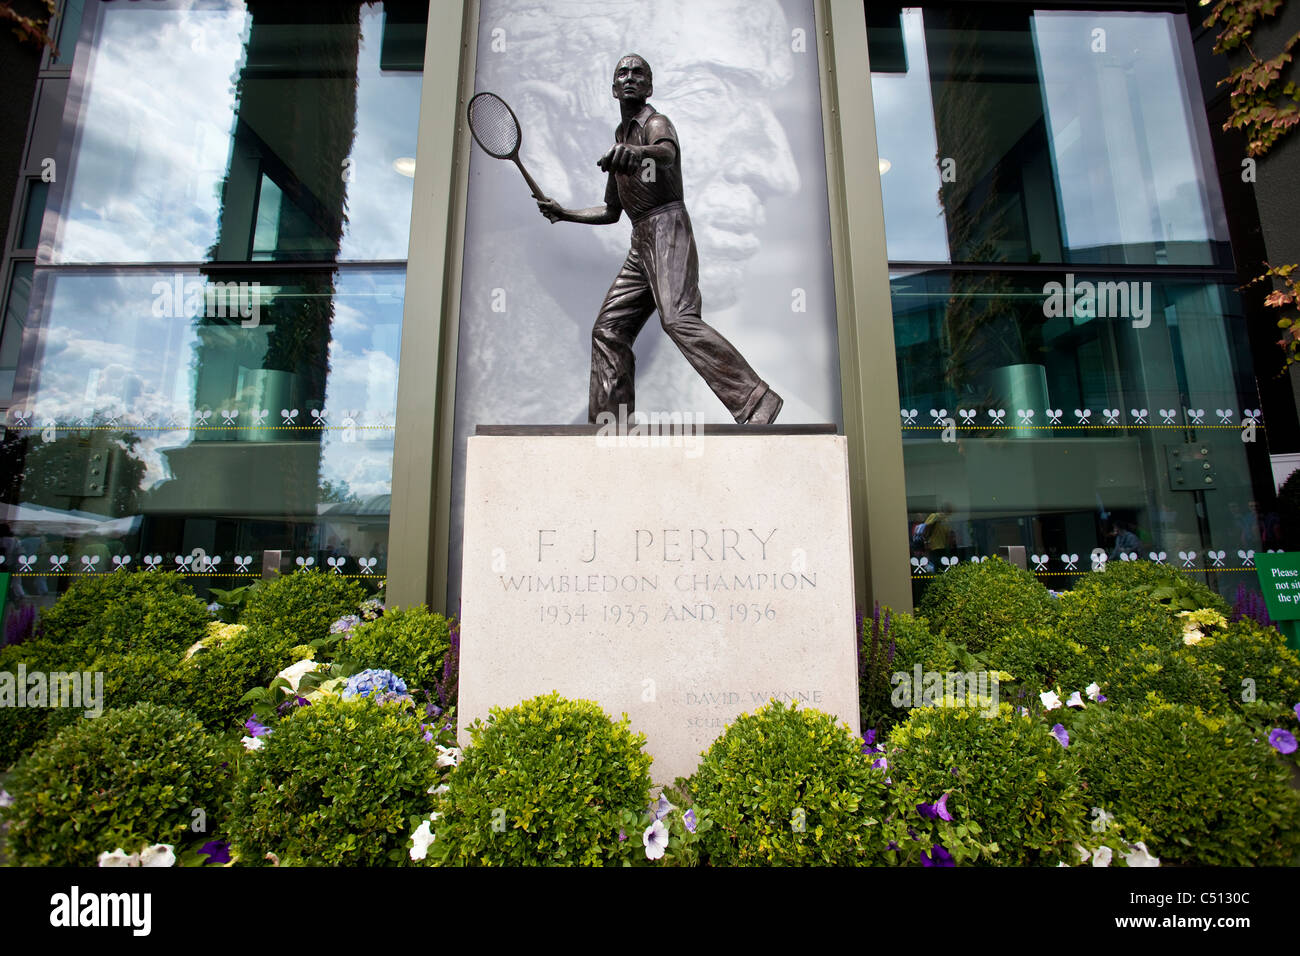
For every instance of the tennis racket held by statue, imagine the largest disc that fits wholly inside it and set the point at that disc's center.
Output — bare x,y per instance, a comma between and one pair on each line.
496,129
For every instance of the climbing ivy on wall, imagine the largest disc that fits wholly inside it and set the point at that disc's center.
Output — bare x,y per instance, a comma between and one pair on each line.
1265,104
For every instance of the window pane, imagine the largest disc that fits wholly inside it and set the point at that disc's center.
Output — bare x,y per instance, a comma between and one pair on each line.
1029,136
235,418
32,214
15,319
1070,429
170,172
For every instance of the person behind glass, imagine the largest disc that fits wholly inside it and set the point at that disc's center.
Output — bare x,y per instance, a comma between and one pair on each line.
662,267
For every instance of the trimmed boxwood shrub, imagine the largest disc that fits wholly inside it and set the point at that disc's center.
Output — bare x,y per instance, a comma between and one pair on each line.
1173,676
130,778
1040,658
1206,790
412,642
1159,583
1251,663
1109,624
555,776
122,612
299,608
214,680
335,784
786,786
1007,774
976,603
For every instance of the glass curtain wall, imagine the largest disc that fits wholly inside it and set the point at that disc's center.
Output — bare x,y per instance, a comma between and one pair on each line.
1074,377
206,368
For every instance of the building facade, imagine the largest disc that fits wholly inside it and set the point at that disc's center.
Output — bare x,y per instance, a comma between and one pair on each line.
260,286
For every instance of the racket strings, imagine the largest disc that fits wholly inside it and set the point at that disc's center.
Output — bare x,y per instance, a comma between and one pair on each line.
494,126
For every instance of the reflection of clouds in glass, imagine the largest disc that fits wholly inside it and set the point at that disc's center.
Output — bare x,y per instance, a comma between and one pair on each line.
905,134
152,151
103,353
388,108
1126,160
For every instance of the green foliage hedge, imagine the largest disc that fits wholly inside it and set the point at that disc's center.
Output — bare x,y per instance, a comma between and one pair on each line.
1207,791
334,784
1251,663
545,782
213,681
1040,658
976,603
299,608
124,612
1154,582
1110,624
127,779
1007,774
411,642
785,786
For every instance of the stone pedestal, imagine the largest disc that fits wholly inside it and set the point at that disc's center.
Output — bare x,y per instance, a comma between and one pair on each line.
681,579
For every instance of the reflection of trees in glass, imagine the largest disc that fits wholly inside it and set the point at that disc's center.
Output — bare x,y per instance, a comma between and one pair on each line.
332,492
58,474
980,324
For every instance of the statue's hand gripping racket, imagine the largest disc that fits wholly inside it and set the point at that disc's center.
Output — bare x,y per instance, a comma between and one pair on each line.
496,129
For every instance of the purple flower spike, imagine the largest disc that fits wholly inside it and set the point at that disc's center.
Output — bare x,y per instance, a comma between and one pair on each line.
1061,734
216,851
937,857
1283,741
941,808
255,728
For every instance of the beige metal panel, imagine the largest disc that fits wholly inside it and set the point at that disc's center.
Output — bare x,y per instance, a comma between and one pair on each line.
868,372
421,456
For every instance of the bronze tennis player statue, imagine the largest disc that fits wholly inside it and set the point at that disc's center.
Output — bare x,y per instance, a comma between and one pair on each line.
662,268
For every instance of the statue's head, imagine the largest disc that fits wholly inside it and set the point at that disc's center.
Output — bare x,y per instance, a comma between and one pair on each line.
633,79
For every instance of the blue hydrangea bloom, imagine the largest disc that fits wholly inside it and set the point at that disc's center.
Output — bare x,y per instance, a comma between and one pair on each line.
371,682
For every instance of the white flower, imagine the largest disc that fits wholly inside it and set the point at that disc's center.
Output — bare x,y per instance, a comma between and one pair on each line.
1049,699
1102,856
252,743
1093,690
294,672
423,837
439,790
448,756
1022,711
5,799
160,854
655,839
1192,636
119,858
1083,853
1140,856
1076,700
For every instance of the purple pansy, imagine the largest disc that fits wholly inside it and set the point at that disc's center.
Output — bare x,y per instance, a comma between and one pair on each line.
942,808
938,856
1061,734
1283,741
216,851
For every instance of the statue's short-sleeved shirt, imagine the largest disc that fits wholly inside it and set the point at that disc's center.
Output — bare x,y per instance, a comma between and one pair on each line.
634,193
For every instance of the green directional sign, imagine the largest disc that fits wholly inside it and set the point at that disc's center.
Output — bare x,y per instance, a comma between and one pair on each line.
1279,578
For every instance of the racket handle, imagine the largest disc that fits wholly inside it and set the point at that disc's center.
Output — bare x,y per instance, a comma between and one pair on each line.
532,183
